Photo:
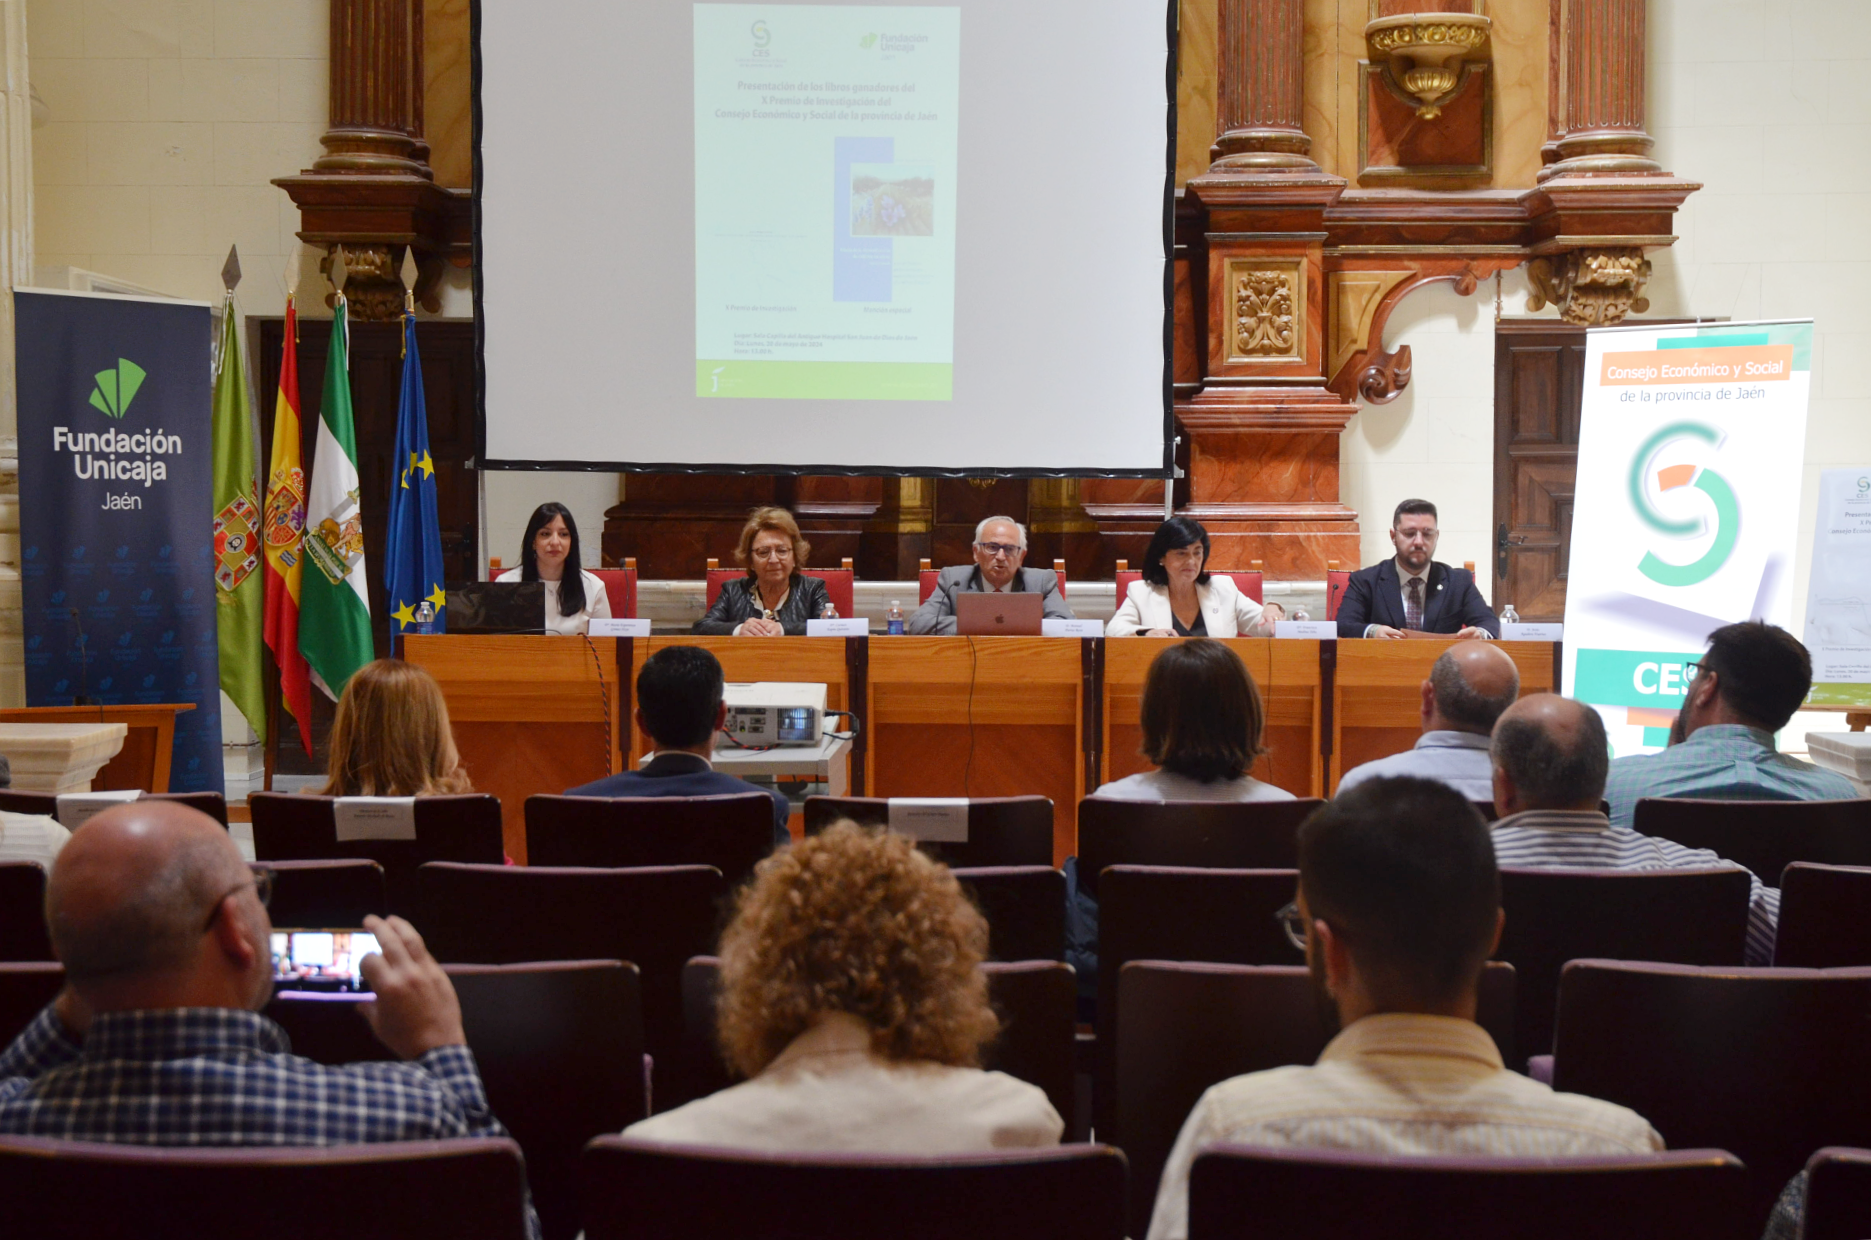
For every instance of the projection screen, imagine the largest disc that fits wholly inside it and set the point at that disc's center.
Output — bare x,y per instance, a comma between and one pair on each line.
836,237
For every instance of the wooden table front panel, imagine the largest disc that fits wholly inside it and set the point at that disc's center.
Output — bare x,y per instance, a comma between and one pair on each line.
982,716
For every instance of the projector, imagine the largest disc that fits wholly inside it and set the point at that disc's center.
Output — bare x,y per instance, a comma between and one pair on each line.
775,712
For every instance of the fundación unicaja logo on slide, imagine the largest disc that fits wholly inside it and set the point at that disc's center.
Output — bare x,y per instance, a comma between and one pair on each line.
1701,478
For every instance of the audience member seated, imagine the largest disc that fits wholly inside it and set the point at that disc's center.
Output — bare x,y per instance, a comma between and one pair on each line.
391,736
774,599
1550,759
1468,688
680,708
550,544
31,837
157,1038
1399,907
852,998
1178,597
1747,687
999,549
1414,591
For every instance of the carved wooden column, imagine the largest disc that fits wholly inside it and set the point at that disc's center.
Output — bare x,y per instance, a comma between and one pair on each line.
1601,77
1261,98
376,89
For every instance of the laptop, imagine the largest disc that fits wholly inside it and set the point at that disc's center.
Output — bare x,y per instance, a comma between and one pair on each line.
997,615
497,607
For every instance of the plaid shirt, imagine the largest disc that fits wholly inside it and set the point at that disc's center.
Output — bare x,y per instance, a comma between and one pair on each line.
221,1076
1723,762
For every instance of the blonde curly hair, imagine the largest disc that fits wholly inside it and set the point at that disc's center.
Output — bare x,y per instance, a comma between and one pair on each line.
855,920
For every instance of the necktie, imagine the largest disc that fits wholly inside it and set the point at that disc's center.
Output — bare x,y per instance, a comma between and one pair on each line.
1413,604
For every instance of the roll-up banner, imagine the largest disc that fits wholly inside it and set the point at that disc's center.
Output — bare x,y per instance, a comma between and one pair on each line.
1686,514
117,549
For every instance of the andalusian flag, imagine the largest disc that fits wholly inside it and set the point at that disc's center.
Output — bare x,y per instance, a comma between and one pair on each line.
285,523
238,592
412,555
334,605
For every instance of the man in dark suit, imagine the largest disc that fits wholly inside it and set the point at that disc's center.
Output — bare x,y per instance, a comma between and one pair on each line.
1414,591
680,707
999,550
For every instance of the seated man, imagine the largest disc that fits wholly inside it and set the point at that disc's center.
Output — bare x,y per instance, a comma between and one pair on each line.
1550,759
1414,591
1748,685
158,1039
999,548
1468,688
1400,907
680,708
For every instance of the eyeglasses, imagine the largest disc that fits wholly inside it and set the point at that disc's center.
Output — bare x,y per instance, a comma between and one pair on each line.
1294,923
772,553
262,884
1007,549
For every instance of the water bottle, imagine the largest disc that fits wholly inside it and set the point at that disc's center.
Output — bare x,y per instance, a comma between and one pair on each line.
1300,615
895,618
1509,615
425,617
830,612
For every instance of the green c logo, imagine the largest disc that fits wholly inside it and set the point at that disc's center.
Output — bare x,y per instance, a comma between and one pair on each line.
1710,483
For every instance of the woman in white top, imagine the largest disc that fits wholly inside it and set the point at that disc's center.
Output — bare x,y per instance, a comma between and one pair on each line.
852,999
551,543
1179,598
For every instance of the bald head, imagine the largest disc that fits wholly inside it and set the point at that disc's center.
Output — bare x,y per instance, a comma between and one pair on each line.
1471,684
1552,752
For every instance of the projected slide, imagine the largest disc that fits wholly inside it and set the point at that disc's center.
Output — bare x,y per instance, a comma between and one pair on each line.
825,201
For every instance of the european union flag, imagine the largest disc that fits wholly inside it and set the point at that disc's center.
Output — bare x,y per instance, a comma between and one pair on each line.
412,555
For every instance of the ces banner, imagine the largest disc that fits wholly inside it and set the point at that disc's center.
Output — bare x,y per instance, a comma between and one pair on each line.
117,539
1691,444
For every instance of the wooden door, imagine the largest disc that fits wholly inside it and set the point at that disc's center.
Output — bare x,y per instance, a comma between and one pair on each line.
1539,370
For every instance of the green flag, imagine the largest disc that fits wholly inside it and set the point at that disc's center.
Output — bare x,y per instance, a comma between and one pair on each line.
334,606
238,586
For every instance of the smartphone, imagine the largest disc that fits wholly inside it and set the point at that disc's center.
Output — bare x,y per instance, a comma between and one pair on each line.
321,960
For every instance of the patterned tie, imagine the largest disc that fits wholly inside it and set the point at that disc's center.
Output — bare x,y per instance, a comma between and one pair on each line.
1413,604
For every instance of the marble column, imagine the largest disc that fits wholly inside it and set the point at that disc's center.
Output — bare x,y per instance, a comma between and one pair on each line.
1601,86
16,258
1260,100
376,89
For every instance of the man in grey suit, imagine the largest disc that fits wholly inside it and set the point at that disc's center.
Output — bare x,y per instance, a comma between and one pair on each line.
999,547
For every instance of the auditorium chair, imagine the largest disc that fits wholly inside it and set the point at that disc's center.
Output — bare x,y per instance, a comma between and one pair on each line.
462,1189
448,828
1249,582
22,912
1764,836
1553,916
840,583
1823,922
1184,1027
645,1190
654,917
1024,906
1486,810
325,895
1001,830
1769,1063
927,574
1240,835
1239,1192
25,987
620,588
14,801
1838,1195
732,833
560,1050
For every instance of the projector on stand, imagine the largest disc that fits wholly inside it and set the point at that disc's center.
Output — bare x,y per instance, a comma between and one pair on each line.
774,712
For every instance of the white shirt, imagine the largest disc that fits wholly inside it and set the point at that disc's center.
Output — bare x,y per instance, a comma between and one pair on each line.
1226,612
1402,1084
596,603
1458,759
829,1093
31,837
1169,786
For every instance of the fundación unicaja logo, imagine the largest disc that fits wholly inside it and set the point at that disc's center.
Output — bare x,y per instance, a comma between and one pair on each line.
117,388
868,42
1702,478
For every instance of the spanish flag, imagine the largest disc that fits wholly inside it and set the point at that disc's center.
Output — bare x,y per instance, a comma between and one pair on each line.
285,528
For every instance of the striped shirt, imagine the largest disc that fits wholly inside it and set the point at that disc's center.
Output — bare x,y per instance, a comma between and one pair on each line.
1402,1084
1550,839
1458,759
1724,762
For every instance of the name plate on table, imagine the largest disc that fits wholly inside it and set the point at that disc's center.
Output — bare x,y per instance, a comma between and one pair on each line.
1312,630
606,626
940,820
1071,628
842,626
375,818
1533,632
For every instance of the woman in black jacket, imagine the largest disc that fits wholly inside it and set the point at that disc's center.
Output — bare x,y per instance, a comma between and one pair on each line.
774,599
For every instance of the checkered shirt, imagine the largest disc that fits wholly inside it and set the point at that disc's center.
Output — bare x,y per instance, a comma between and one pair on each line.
1723,762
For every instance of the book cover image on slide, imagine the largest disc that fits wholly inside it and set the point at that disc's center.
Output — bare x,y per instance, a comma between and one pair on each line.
825,191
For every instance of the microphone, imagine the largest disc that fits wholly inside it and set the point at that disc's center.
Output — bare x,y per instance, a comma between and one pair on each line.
84,662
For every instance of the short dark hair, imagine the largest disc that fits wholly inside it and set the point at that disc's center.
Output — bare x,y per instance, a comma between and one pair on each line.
1414,508
679,692
1458,701
1549,772
1763,671
1202,715
1403,870
1173,535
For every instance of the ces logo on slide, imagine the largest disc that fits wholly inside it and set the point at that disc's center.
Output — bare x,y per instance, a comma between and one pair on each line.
763,38
1702,478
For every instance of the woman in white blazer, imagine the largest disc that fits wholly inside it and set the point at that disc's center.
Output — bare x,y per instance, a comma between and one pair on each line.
1178,598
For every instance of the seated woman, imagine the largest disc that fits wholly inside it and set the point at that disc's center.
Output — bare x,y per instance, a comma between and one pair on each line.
852,999
391,736
774,599
550,544
1178,597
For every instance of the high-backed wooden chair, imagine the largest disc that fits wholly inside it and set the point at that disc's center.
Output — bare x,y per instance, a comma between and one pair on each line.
1336,583
1024,906
1764,836
1822,917
326,895
22,912
620,587
732,833
840,583
1001,830
1249,583
1241,835
448,828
